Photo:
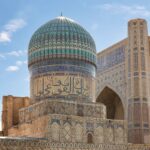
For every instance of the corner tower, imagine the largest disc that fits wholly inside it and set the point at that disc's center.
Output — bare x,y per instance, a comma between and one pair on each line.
138,94
62,62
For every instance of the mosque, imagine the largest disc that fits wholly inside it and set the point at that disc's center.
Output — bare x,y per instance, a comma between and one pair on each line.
81,99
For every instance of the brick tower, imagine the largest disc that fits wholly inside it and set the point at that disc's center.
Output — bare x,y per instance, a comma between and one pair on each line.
137,57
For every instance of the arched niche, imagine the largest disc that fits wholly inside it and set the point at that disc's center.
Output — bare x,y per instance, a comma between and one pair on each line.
113,103
89,138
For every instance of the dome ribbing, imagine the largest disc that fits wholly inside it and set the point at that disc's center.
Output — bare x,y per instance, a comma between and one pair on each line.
61,38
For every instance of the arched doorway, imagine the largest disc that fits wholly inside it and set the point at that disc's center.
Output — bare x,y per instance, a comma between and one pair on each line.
89,138
112,102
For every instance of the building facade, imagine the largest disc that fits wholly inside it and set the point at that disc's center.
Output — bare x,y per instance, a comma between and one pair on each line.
123,75
80,99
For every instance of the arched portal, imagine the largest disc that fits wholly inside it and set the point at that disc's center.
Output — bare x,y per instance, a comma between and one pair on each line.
112,102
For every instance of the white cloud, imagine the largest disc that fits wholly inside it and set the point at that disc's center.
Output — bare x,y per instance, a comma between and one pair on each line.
17,66
125,9
4,36
16,53
20,63
14,25
13,54
12,68
11,27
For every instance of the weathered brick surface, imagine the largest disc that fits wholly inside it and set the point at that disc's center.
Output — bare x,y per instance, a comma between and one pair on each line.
10,115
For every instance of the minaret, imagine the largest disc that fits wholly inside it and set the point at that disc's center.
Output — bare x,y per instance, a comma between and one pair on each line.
137,81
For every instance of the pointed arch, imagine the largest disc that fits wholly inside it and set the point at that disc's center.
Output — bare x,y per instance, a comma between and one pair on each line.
114,88
113,103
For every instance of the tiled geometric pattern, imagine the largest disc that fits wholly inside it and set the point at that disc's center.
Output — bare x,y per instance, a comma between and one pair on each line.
79,133
119,135
76,129
115,78
109,134
99,134
67,132
64,38
115,57
75,66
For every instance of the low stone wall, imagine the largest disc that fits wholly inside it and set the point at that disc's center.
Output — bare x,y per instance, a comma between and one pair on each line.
44,144
76,129
61,107
22,143
138,146
36,128
8,143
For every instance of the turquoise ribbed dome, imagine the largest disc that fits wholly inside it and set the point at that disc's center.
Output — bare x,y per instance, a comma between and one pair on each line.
61,38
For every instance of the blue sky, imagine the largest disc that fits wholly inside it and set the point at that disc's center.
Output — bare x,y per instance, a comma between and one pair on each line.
105,20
